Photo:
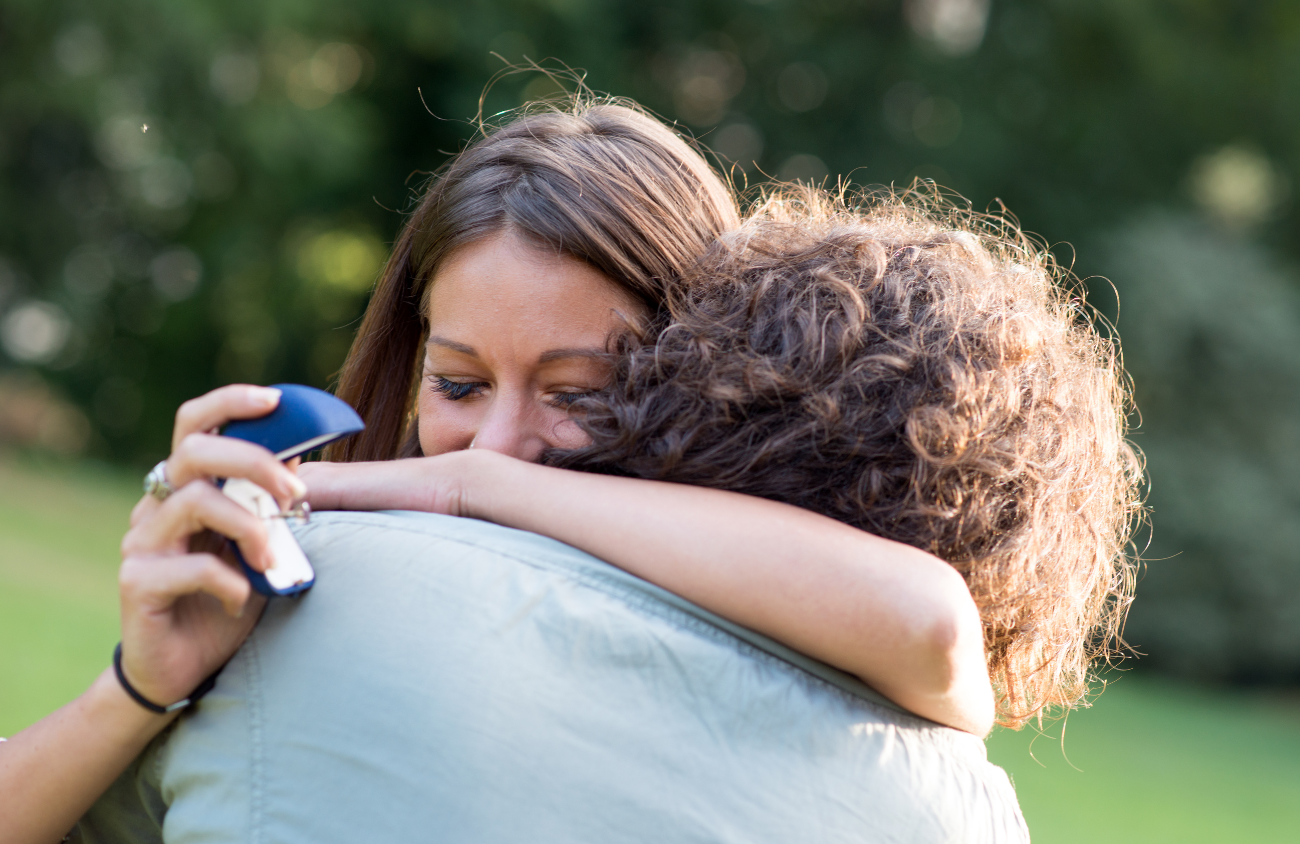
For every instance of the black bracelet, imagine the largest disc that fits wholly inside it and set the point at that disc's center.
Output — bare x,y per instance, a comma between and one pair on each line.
203,688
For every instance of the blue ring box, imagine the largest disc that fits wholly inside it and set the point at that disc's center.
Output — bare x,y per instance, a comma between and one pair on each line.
305,419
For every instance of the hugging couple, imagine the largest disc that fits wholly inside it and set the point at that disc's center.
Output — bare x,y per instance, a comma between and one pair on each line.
667,524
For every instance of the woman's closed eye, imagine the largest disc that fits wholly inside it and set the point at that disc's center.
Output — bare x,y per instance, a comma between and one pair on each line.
566,399
455,390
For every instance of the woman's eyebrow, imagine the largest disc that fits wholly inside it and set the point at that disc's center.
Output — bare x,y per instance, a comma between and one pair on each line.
435,340
557,354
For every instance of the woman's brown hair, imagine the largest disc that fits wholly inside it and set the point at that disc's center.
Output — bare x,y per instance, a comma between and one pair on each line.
917,371
599,181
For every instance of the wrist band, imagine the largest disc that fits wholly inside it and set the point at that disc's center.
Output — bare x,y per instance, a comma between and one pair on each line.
203,688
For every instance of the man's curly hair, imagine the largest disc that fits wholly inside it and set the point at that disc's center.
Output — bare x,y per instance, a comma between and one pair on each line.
917,371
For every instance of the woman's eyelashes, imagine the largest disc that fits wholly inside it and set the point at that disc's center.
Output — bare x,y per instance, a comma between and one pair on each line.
455,390
566,400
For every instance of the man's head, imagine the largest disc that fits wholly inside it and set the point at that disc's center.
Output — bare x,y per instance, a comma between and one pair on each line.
915,371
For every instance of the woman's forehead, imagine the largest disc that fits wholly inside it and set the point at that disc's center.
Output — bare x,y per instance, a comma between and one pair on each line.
505,298
507,274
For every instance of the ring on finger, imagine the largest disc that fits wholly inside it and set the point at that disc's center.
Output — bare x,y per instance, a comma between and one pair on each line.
156,483
302,512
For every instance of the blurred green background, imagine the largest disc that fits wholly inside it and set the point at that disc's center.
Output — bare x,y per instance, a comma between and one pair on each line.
1154,144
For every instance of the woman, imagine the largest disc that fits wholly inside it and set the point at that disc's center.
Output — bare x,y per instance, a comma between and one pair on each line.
533,248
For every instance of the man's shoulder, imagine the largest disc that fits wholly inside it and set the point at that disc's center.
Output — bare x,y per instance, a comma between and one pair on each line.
408,528
391,538
453,679
381,552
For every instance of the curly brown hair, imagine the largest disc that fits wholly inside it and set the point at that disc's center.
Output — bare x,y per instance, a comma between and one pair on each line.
920,372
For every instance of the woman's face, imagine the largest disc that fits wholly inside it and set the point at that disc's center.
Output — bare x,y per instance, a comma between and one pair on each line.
516,334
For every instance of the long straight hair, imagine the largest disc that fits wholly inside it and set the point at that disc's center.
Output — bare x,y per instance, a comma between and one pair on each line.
601,182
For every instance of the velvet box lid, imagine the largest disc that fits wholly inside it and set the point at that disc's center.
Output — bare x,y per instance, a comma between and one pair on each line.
304,420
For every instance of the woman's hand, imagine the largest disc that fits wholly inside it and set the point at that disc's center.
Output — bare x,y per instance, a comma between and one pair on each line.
185,612
438,484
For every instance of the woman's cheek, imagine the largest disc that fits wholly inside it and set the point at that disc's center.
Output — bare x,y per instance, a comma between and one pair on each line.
567,433
444,428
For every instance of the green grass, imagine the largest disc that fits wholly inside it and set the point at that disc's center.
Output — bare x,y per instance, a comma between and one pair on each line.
60,528
1157,761
1153,761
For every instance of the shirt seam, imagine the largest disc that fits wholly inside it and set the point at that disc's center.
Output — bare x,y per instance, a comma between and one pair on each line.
257,762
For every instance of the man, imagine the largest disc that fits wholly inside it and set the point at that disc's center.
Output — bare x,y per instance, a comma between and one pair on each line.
452,680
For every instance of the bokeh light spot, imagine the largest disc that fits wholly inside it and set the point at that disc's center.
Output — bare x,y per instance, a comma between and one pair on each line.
234,77
954,27
803,167
706,81
341,259
1237,185
80,50
165,183
35,332
738,142
122,146
335,68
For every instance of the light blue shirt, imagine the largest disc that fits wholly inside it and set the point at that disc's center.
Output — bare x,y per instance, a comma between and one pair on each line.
452,680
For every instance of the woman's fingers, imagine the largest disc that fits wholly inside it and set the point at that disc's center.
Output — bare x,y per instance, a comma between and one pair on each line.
143,509
197,506
201,456
173,633
154,583
214,409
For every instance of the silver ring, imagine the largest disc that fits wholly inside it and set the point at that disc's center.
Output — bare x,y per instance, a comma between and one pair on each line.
156,484
302,513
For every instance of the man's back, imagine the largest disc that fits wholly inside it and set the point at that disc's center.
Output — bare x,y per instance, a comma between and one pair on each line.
452,680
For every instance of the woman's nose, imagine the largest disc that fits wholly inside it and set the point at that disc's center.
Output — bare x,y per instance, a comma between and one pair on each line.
506,429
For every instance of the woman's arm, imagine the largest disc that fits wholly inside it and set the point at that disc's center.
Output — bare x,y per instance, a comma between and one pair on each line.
53,771
183,616
900,619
